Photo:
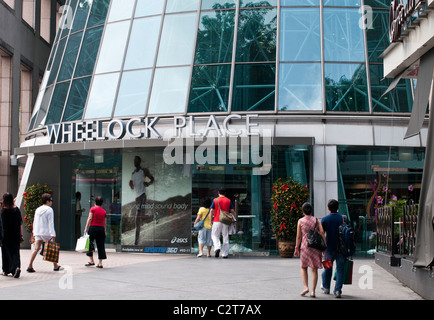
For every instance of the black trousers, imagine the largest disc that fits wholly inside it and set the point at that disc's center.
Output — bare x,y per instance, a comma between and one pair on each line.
11,255
97,234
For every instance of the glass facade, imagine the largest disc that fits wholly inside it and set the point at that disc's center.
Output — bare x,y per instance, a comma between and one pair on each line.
193,57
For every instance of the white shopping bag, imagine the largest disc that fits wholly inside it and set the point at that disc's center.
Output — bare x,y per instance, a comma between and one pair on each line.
83,244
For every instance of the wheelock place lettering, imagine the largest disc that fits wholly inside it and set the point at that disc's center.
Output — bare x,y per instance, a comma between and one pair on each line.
138,128
401,15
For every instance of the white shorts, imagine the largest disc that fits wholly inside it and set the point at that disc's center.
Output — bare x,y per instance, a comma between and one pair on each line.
43,238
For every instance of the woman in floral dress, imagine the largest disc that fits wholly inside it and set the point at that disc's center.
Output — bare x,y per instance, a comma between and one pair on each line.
309,258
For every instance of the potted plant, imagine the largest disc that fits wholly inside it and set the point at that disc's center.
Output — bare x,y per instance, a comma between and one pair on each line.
32,200
287,199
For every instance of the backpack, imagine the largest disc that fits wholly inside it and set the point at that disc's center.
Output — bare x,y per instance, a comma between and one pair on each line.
347,240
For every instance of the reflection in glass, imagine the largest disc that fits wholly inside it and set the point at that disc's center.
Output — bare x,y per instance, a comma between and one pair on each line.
43,108
377,35
70,56
98,13
300,86
217,4
121,10
299,2
346,87
343,38
180,6
143,43
215,37
254,87
76,99
149,7
56,62
113,47
169,90
81,14
101,97
342,3
68,11
300,38
133,93
210,88
251,4
177,40
89,51
398,100
57,103
257,31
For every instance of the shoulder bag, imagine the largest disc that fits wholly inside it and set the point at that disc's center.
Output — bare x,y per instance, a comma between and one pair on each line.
315,240
199,225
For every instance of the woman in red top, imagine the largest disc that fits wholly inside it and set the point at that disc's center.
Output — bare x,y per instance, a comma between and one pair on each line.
96,228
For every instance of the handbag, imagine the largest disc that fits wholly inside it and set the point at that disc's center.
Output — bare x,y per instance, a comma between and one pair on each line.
199,225
51,251
224,216
315,240
83,244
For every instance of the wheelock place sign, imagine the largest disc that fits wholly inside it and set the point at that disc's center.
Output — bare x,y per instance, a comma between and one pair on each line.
401,15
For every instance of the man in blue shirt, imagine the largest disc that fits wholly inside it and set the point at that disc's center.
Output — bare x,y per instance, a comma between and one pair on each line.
331,225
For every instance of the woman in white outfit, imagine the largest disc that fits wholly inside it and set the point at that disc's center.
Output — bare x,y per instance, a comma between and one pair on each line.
43,228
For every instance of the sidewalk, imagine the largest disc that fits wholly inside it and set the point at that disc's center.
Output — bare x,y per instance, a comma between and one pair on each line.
127,276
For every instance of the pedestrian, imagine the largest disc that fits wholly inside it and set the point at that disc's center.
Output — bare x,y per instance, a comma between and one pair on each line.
309,257
331,224
96,229
219,228
43,228
78,212
204,234
11,224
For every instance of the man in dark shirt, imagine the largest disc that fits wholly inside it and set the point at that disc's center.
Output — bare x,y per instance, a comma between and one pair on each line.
331,225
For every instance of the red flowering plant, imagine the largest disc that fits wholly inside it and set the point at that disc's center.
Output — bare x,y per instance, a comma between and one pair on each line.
32,200
287,198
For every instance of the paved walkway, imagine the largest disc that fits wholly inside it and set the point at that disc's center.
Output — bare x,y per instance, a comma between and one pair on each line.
127,276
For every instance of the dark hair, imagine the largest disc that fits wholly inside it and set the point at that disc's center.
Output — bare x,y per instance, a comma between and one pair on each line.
46,197
8,201
206,203
307,208
99,200
222,191
333,205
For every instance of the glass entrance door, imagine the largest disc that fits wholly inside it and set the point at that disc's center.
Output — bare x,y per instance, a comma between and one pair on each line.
100,177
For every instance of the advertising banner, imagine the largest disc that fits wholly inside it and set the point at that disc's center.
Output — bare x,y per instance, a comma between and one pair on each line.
156,204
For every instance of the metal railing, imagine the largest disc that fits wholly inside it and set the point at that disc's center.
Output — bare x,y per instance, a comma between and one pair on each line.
396,230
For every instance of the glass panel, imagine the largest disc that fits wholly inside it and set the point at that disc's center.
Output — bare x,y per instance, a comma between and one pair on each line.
89,51
342,3
217,4
179,6
259,3
65,27
113,46
70,57
300,38
56,62
43,108
300,86
343,38
76,99
177,40
377,35
133,93
169,90
98,13
81,14
378,3
215,37
101,97
210,88
257,30
398,100
121,10
149,7
254,87
57,103
346,87
299,2
143,43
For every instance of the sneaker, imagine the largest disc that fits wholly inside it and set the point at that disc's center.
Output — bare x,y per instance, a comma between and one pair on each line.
338,294
217,253
200,255
325,291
